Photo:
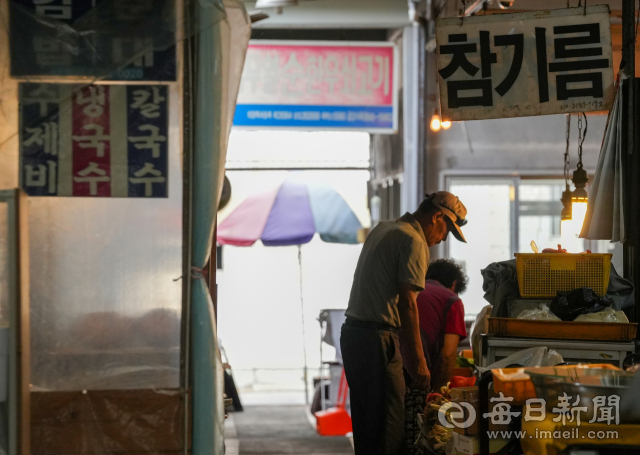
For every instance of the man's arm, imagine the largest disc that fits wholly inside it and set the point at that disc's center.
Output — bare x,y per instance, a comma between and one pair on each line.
410,336
447,359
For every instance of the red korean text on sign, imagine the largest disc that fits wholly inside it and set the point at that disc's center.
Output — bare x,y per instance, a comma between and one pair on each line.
91,142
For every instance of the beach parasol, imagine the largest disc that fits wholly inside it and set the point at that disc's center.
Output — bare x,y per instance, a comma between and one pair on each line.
291,214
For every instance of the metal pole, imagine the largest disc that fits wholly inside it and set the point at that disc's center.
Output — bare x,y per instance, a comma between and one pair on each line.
631,257
411,118
304,343
188,47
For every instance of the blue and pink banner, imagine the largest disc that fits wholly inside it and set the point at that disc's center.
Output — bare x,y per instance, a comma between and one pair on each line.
94,141
319,85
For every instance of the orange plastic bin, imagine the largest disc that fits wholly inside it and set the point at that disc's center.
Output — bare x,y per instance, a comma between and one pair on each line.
335,421
516,383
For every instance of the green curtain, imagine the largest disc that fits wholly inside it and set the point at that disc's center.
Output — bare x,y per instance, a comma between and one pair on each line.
223,32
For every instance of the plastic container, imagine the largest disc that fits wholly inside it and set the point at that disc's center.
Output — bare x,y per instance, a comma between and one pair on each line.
335,421
562,330
587,384
519,387
516,382
542,275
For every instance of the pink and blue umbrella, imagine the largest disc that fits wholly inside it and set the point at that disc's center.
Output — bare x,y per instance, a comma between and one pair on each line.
291,214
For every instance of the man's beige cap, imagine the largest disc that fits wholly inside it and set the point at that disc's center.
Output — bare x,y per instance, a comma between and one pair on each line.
453,208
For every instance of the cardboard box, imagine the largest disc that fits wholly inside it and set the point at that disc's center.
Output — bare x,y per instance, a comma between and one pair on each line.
470,395
470,445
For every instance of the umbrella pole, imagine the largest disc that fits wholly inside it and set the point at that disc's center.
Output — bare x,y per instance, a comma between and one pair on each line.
304,344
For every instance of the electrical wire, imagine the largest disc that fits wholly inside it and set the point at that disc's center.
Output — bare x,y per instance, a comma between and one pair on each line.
567,158
581,136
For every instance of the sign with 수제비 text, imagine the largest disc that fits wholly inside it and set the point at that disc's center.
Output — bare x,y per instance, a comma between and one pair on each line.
94,141
319,85
522,64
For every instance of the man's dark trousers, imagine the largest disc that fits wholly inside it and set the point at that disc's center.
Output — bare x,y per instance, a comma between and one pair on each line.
373,367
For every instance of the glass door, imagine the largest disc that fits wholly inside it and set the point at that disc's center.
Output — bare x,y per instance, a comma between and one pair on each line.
490,233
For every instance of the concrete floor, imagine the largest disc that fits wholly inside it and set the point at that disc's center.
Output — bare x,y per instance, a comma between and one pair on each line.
280,430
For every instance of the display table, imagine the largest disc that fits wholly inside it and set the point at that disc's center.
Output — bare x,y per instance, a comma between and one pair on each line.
496,348
583,436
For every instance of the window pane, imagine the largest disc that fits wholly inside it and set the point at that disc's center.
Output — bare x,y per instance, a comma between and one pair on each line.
539,210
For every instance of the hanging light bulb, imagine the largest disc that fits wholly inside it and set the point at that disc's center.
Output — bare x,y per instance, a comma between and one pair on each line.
565,215
567,234
436,122
446,124
566,225
579,197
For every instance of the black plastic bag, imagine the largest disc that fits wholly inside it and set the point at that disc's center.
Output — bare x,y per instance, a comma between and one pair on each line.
569,305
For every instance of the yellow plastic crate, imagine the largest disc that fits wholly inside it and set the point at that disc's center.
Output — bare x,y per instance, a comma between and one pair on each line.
544,274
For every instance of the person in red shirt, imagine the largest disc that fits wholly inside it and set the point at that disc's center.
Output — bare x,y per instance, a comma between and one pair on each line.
441,321
441,316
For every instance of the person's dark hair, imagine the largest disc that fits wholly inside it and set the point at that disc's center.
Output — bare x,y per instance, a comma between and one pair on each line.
427,207
445,272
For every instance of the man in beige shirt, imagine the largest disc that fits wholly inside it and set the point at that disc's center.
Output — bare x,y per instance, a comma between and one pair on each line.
382,309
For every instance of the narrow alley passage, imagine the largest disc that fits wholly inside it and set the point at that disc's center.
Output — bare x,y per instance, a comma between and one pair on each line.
275,430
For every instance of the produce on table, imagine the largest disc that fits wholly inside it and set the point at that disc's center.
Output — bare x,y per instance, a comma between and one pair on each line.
551,250
461,381
437,435
445,390
463,362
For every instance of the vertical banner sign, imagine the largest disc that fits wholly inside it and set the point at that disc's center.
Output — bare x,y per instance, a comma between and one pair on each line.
319,85
147,141
91,142
94,141
522,64
39,141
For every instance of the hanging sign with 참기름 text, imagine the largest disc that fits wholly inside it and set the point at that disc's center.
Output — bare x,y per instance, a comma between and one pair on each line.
319,85
94,141
522,64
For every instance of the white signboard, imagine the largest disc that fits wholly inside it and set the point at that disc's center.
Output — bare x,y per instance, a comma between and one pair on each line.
521,64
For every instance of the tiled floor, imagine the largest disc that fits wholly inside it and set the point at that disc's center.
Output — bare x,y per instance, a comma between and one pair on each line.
279,430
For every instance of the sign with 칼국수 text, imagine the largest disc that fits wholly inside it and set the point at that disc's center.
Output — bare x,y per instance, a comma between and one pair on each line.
522,64
94,141
319,85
